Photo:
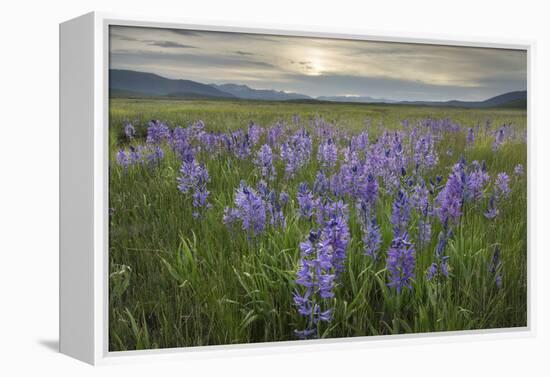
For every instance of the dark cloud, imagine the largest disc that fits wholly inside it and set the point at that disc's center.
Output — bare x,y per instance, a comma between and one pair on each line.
168,44
263,64
123,37
244,53
185,59
189,33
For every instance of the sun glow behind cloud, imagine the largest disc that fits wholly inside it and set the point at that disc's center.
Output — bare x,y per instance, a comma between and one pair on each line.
319,67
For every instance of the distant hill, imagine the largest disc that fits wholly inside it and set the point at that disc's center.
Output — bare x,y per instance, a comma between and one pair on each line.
517,99
245,92
125,83
358,99
149,84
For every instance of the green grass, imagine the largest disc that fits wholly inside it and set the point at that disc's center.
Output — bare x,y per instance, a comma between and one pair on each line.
178,281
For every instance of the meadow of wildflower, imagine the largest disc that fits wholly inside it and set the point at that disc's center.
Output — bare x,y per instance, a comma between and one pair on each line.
239,222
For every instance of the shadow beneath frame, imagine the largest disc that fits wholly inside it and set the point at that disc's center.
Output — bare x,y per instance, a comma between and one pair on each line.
52,345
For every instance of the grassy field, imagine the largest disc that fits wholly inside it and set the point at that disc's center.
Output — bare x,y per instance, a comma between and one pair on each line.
182,280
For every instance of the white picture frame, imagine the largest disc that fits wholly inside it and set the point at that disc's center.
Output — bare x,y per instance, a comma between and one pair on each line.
84,191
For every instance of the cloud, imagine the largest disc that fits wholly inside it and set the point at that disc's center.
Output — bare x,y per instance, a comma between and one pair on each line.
189,33
123,37
169,44
187,58
321,66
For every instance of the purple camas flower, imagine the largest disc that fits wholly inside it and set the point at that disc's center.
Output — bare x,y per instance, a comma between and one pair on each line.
372,238
432,271
322,184
327,154
518,170
335,238
155,155
450,199
316,277
194,177
425,154
273,204
499,139
296,152
242,144
369,191
264,160
502,186
401,214
211,142
322,261
424,230
401,263
476,180
181,143
495,267
250,210
274,134
136,154
254,133
420,201
492,210
419,197
284,197
129,131
122,158
157,132
440,266
305,201
327,209
360,143
470,137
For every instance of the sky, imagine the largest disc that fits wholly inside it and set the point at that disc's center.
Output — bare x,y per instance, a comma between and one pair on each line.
319,66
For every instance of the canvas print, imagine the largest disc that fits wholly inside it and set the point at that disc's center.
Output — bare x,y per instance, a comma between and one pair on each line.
267,188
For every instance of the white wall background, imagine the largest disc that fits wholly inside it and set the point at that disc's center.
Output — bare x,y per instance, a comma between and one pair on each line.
29,184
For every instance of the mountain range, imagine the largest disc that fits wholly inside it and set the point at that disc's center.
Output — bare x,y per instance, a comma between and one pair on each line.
125,83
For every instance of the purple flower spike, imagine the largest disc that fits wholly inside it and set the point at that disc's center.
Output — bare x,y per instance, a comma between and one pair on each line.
401,263
129,131
322,184
157,132
518,170
250,210
502,186
305,201
450,199
194,178
401,213
122,159
296,152
316,275
495,267
470,137
264,160
492,210
372,239
322,261
440,266
327,154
